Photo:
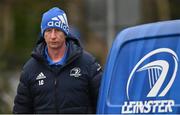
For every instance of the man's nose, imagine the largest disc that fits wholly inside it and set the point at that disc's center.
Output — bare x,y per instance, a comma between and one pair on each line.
53,33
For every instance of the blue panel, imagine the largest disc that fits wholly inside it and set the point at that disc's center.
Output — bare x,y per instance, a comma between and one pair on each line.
142,71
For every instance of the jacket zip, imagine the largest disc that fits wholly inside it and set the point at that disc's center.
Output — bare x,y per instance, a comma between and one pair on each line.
56,104
55,82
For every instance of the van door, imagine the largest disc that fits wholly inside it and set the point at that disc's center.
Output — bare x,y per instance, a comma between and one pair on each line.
142,71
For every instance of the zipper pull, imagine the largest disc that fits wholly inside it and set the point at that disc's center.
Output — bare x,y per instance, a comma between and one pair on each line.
55,81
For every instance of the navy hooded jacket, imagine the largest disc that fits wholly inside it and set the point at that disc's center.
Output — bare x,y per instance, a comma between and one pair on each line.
70,88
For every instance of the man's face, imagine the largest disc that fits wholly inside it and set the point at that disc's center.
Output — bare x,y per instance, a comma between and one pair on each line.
54,38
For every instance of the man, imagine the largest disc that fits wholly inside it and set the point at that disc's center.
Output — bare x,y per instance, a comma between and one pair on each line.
60,77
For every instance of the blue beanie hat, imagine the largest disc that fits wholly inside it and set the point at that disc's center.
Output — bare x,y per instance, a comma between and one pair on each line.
54,18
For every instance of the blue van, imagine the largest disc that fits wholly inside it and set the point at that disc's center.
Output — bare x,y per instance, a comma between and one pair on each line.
142,74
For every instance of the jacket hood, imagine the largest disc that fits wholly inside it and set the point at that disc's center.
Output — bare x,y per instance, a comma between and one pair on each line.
74,49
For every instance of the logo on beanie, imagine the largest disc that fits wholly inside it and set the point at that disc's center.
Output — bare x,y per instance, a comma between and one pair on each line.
60,21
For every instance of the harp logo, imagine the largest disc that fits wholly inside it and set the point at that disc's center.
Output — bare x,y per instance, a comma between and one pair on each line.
161,67
157,72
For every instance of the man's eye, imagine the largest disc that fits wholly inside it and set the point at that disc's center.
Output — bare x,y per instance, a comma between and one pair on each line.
48,30
57,30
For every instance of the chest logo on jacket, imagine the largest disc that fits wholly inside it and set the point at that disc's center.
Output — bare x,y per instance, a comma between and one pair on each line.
75,72
41,78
